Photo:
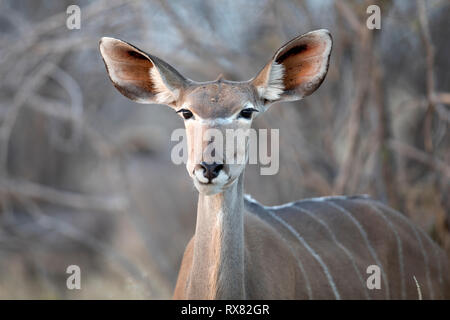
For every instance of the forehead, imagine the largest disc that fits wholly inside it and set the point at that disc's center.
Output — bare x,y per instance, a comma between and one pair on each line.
217,99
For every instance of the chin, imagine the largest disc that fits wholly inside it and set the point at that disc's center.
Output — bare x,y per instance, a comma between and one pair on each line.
208,189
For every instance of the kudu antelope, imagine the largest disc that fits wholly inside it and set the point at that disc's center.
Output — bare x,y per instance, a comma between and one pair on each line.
310,249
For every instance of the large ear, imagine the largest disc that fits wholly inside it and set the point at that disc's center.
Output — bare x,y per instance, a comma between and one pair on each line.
140,76
296,70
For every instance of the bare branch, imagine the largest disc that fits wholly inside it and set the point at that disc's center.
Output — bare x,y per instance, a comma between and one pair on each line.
20,98
64,198
349,15
418,155
364,67
429,51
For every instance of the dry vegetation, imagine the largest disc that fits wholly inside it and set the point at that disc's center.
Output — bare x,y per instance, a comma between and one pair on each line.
86,176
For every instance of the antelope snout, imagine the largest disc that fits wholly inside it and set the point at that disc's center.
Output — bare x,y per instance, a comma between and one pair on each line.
210,170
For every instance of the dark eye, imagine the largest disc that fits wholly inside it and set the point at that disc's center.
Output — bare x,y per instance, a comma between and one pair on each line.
185,113
247,113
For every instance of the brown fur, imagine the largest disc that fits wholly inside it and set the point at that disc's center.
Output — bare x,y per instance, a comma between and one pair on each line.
312,249
272,271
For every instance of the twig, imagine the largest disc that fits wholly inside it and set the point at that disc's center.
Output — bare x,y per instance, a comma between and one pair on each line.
209,51
76,109
20,98
418,155
429,51
64,198
56,21
349,15
362,85
74,233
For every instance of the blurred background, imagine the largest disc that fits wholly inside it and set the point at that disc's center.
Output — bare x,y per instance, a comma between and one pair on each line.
86,176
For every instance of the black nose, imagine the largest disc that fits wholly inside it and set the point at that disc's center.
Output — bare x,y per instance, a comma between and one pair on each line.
210,171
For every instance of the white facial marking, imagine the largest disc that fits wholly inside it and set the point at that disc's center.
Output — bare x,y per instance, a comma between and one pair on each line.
184,106
221,179
198,173
216,121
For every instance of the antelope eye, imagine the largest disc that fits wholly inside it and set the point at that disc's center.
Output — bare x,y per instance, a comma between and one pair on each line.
247,113
185,113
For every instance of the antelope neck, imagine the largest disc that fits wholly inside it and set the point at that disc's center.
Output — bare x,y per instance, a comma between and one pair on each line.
218,260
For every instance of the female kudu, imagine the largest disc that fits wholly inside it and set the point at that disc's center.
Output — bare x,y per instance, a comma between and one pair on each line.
310,249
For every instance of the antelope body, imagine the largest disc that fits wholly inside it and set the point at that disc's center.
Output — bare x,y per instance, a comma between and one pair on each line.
317,248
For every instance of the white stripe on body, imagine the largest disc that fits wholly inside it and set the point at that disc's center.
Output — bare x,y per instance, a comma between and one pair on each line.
310,250
367,242
339,244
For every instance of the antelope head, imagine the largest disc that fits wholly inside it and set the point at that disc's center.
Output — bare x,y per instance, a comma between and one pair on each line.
211,109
